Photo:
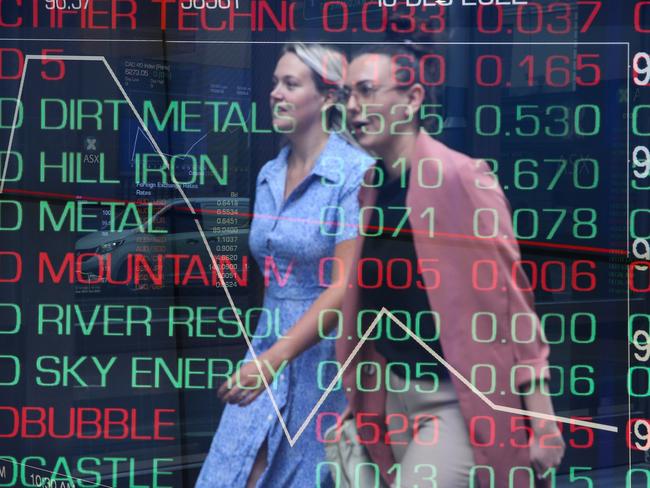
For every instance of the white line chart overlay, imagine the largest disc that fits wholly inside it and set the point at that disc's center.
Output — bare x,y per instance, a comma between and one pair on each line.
384,312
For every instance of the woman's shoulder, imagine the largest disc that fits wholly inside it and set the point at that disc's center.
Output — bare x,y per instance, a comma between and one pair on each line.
351,153
353,160
273,165
457,166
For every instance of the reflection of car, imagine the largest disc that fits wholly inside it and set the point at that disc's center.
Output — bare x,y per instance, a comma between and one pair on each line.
224,221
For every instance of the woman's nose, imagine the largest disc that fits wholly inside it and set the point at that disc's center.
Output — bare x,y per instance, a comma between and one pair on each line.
276,93
351,104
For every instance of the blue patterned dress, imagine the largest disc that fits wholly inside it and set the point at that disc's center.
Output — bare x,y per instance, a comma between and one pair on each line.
291,232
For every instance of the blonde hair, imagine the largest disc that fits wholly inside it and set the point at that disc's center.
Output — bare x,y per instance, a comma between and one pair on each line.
328,66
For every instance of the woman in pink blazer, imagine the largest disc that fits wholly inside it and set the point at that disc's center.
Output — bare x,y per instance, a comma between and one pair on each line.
462,253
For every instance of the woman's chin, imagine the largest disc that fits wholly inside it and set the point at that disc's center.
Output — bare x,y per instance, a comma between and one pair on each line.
364,140
282,126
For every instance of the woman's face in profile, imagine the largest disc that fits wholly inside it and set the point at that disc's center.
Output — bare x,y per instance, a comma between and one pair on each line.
295,102
377,103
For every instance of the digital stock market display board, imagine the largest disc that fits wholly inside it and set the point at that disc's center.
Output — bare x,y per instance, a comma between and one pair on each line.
325,243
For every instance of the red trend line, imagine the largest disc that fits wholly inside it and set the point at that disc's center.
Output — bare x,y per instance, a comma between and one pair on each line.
547,245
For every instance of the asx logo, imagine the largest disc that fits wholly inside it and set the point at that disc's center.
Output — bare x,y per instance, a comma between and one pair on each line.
91,158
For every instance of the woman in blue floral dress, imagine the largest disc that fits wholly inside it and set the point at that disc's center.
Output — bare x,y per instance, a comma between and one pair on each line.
306,217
